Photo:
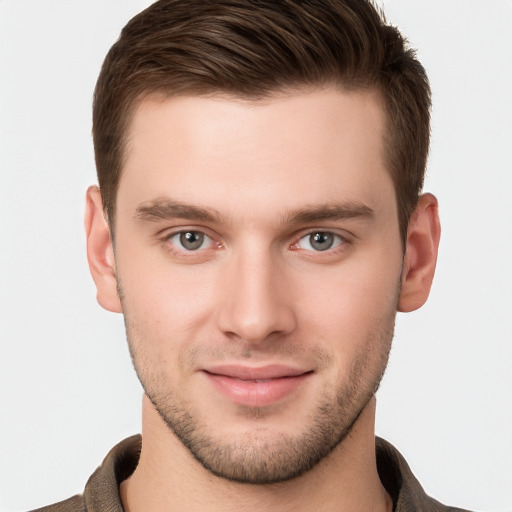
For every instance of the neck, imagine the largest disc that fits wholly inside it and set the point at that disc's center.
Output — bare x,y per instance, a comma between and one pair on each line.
168,478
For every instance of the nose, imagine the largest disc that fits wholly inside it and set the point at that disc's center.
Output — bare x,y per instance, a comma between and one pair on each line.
256,303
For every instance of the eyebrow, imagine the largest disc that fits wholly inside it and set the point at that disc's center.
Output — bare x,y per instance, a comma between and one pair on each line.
167,209
330,211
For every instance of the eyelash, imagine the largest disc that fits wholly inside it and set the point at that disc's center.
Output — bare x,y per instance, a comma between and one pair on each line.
174,246
339,242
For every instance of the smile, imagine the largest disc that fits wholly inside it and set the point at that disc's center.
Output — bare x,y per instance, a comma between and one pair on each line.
256,387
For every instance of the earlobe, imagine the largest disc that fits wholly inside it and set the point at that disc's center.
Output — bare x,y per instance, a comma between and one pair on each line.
100,252
420,254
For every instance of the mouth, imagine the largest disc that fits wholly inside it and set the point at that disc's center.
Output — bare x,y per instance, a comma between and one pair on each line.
256,386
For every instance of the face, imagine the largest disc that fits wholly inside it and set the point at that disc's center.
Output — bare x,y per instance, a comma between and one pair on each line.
258,261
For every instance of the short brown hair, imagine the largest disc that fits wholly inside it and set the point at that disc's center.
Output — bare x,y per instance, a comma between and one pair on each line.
253,48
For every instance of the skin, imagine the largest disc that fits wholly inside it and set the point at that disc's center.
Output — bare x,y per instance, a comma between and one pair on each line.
257,294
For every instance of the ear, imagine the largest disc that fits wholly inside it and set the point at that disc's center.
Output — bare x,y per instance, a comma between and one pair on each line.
100,252
420,254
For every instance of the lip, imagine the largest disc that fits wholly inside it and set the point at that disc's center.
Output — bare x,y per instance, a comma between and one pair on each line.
256,386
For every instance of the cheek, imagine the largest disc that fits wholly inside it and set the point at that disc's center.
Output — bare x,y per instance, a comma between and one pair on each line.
166,312
359,289
164,296
348,308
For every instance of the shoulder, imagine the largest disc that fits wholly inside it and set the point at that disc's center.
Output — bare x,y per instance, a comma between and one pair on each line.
101,492
74,504
403,487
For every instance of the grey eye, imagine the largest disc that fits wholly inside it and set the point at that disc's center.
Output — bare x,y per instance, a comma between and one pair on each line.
191,240
320,241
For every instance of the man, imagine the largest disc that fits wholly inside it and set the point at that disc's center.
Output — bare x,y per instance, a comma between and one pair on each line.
258,223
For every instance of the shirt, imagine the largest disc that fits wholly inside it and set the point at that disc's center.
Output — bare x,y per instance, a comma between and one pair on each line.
101,492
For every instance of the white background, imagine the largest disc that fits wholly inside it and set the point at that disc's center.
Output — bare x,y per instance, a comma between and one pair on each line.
67,391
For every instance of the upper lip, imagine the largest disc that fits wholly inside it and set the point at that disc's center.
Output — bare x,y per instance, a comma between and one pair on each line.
272,371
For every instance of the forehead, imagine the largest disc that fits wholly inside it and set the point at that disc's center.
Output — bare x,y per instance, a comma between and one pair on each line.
291,149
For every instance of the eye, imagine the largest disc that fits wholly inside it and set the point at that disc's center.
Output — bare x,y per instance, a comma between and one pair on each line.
190,240
320,241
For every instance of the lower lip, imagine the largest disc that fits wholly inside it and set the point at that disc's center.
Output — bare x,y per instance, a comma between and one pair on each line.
253,393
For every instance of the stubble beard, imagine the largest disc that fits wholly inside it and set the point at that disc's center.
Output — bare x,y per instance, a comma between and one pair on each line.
255,457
